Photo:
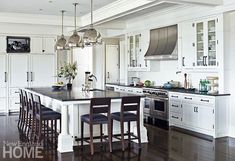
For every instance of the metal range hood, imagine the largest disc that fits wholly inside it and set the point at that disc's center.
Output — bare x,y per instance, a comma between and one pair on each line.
163,44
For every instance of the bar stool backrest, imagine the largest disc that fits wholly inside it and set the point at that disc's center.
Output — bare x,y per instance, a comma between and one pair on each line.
21,97
25,100
130,104
100,105
37,105
31,101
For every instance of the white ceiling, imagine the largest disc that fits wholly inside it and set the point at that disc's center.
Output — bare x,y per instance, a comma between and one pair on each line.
50,7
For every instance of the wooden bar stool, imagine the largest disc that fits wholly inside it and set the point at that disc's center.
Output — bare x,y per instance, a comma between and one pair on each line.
130,111
21,116
25,111
99,115
45,123
32,120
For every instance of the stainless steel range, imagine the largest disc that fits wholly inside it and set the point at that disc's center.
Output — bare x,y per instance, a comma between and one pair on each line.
156,105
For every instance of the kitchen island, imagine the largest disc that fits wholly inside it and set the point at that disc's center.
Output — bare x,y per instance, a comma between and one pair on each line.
74,103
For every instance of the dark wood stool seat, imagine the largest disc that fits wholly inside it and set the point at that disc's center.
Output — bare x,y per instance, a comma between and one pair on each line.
98,108
97,119
130,111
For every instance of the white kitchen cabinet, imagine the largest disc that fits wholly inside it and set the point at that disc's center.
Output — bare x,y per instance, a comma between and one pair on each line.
137,46
3,44
190,115
42,73
3,83
36,44
202,43
203,114
19,74
49,45
43,45
188,36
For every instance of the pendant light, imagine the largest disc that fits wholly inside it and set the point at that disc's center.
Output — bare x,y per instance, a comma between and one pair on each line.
91,36
75,40
61,42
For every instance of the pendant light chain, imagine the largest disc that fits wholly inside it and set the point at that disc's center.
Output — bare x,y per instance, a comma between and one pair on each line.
62,22
75,18
91,13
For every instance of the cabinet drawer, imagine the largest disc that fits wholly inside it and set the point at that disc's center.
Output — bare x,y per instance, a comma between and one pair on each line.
189,98
175,107
206,100
175,118
14,104
2,92
175,96
14,92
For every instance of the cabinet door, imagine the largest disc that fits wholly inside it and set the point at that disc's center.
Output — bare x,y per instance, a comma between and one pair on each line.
42,72
206,117
190,115
3,105
36,45
3,44
48,45
18,70
3,71
200,43
188,44
212,43
112,64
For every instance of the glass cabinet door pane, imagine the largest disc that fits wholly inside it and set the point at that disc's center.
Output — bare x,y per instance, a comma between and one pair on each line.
132,52
211,43
137,48
200,43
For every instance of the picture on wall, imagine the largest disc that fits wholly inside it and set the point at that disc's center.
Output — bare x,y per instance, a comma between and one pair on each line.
18,44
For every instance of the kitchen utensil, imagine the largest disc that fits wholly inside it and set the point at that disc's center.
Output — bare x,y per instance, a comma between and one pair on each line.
167,85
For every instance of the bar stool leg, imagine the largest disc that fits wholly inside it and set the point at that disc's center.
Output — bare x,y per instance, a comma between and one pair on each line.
82,133
101,134
110,135
138,133
122,135
91,139
129,133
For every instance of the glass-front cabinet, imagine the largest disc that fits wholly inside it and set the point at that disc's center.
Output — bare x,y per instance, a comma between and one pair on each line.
206,43
137,45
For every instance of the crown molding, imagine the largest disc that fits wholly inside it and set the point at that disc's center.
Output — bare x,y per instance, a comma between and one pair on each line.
35,19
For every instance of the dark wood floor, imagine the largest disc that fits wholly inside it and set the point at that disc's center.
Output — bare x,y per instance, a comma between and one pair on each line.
163,146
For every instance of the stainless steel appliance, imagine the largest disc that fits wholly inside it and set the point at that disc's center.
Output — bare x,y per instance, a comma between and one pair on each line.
156,106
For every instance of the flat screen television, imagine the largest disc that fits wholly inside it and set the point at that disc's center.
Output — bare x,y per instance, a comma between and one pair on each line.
18,44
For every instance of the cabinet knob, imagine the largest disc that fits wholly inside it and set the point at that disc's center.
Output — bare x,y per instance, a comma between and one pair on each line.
43,51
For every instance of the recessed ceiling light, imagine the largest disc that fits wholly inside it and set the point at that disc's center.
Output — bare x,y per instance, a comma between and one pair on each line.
50,1
40,9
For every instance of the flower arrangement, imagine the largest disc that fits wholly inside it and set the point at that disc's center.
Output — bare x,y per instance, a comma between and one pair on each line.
68,71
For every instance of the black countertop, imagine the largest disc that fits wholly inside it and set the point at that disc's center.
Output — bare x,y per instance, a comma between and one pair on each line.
180,90
76,94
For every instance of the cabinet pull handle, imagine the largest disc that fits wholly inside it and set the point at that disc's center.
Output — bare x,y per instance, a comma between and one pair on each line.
17,103
188,98
205,100
5,76
108,75
17,92
31,76
183,64
175,117
174,96
27,76
195,109
174,105
204,61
